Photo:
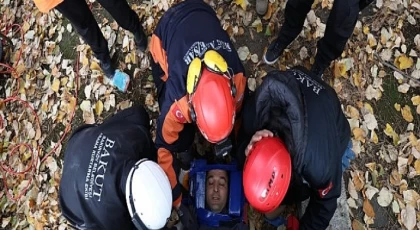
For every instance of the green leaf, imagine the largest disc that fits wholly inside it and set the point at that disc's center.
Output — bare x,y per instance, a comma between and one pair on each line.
267,30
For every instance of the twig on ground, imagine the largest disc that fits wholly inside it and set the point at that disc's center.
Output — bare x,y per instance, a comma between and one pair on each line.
395,69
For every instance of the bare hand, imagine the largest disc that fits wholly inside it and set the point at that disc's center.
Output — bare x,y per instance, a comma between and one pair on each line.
257,137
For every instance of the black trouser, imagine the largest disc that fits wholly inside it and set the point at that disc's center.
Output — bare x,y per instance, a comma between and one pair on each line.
80,16
340,25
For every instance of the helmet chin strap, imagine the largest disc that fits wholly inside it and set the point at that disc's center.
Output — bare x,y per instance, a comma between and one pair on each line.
135,217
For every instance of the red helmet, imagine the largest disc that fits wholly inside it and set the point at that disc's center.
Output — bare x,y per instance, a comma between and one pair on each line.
213,106
267,174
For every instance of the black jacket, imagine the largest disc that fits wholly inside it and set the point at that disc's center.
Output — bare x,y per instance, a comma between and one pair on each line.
97,161
306,113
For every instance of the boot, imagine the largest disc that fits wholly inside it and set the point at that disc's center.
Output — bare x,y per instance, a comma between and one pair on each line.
261,7
140,39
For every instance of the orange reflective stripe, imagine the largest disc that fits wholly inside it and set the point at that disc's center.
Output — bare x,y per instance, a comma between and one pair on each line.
175,119
165,160
177,202
240,83
159,55
46,5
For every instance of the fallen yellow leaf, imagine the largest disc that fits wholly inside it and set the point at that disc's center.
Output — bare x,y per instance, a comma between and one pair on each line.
406,113
417,166
397,107
374,137
366,30
368,209
415,100
72,105
403,62
388,130
413,139
354,113
55,85
339,69
85,61
99,107
95,66
359,134
242,3
368,107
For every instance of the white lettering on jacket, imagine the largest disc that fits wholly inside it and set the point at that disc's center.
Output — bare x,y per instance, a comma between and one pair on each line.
95,175
308,81
199,48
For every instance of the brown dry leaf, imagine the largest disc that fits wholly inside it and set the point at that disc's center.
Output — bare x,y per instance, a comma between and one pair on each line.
395,178
358,180
359,134
368,209
269,12
99,107
356,225
55,85
403,62
403,186
406,113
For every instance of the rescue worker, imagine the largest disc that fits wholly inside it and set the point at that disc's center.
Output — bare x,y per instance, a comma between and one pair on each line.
200,82
110,179
296,139
339,28
81,17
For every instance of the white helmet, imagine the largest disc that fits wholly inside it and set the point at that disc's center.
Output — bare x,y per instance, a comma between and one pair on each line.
148,195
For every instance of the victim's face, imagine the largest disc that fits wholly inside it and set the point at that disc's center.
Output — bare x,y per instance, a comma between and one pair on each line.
216,189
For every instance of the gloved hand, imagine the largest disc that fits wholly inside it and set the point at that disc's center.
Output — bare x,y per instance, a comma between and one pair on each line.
188,219
292,223
347,156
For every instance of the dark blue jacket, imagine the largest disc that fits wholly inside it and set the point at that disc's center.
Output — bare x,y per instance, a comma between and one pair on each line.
97,161
305,112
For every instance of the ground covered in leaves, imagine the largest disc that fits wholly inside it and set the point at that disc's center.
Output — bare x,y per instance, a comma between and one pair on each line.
52,84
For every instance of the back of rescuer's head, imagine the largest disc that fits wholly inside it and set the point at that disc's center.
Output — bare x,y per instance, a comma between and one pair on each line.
148,195
267,174
211,96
